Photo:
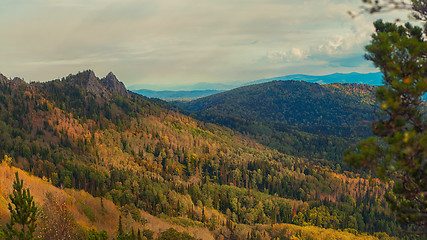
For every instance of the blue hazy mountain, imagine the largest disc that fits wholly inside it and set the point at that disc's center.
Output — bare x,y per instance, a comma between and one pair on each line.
202,89
185,87
176,95
354,77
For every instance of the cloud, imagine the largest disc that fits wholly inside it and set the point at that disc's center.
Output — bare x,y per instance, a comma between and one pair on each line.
288,56
337,46
179,40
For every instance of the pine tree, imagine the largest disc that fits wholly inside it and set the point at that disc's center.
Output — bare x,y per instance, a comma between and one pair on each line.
139,235
120,230
397,154
132,235
121,235
23,214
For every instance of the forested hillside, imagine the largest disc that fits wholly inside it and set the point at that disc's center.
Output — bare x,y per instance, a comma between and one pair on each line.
91,134
298,118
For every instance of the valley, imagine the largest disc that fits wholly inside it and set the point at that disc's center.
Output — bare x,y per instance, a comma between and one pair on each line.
152,164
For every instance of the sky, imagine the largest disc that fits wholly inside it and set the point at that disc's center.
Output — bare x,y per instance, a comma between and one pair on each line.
162,43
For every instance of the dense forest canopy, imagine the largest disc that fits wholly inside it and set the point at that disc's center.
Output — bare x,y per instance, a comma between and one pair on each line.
294,117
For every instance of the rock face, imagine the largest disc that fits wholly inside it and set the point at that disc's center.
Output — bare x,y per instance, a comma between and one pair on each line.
113,85
3,79
104,87
93,85
16,81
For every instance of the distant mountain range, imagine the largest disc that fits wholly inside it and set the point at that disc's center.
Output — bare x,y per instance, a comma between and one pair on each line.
191,92
354,77
186,87
176,95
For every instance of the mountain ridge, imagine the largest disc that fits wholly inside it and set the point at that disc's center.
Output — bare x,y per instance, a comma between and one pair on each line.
353,77
196,91
176,95
292,108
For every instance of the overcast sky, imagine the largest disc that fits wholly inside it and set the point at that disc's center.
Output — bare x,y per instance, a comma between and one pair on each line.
170,42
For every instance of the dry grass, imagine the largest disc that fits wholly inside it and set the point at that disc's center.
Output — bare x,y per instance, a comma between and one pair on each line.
289,231
159,225
106,216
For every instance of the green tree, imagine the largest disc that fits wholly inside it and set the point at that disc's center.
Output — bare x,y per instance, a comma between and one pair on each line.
121,235
171,233
95,235
398,152
23,213
148,234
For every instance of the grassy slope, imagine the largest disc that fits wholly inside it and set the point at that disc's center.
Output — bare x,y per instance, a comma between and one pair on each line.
106,218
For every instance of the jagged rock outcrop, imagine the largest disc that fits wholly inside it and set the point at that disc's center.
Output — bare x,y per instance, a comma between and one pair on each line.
104,87
3,79
16,81
93,84
114,85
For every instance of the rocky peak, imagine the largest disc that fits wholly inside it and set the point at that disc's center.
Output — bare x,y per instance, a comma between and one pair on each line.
112,84
3,79
93,85
16,81
90,82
